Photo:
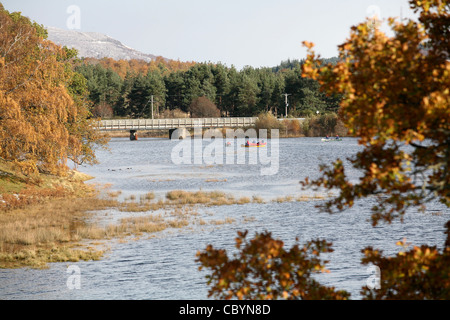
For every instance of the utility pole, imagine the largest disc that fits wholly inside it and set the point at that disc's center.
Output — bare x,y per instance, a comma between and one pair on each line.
286,102
151,100
152,107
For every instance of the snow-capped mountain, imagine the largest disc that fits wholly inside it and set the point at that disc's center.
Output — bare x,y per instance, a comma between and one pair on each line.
95,45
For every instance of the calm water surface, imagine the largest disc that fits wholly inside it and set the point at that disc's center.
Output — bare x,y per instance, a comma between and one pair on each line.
164,267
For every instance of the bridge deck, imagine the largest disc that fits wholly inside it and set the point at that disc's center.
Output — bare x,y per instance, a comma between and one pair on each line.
161,124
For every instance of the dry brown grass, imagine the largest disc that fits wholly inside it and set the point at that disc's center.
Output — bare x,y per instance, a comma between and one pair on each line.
53,232
300,198
224,221
284,199
42,225
53,228
215,180
243,200
18,191
138,225
178,223
137,207
40,257
35,233
51,221
211,198
148,196
257,199
30,195
114,194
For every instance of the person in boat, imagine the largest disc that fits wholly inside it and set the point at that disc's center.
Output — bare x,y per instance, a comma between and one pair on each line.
337,137
247,143
327,137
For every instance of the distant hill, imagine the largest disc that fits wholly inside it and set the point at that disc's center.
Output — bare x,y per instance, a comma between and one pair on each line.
292,64
95,45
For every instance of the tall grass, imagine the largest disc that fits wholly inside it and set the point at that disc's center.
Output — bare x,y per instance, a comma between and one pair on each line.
53,227
212,198
38,226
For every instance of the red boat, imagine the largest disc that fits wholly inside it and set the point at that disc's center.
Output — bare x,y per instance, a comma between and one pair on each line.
253,144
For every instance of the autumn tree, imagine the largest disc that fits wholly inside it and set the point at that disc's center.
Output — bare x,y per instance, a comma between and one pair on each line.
263,269
417,273
395,99
43,106
395,94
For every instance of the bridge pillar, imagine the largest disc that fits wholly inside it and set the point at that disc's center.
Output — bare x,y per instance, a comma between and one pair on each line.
179,133
133,135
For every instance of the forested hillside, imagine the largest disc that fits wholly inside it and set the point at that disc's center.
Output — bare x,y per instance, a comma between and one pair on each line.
125,88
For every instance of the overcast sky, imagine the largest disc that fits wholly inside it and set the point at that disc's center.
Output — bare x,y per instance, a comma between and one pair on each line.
258,33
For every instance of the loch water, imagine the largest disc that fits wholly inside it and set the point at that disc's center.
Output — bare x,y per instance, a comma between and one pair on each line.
163,266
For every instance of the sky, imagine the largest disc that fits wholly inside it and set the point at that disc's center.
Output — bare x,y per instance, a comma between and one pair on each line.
257,33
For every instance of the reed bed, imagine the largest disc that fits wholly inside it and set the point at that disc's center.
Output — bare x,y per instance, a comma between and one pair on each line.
42,226
211,198
49,232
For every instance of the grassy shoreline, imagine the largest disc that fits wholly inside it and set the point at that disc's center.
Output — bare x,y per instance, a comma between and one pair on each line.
58,220
40,217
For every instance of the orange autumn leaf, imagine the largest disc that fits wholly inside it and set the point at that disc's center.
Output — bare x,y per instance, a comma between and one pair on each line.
395,92
43,123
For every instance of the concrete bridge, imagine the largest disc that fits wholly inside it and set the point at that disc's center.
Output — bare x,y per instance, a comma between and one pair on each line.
133,125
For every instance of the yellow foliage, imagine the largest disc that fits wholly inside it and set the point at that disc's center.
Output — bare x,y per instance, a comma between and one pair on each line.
41,123
396,92
264,269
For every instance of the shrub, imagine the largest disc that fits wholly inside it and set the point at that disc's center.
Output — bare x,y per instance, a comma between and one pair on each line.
322,125
103,110
268,121
202,107
173,114
292,126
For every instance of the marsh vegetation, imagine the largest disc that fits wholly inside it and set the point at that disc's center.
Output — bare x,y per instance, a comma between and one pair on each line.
57,222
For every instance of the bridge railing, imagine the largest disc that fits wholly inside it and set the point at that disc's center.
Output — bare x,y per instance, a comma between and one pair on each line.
154,124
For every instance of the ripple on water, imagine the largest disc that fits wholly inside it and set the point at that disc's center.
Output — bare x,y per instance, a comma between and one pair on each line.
163,266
